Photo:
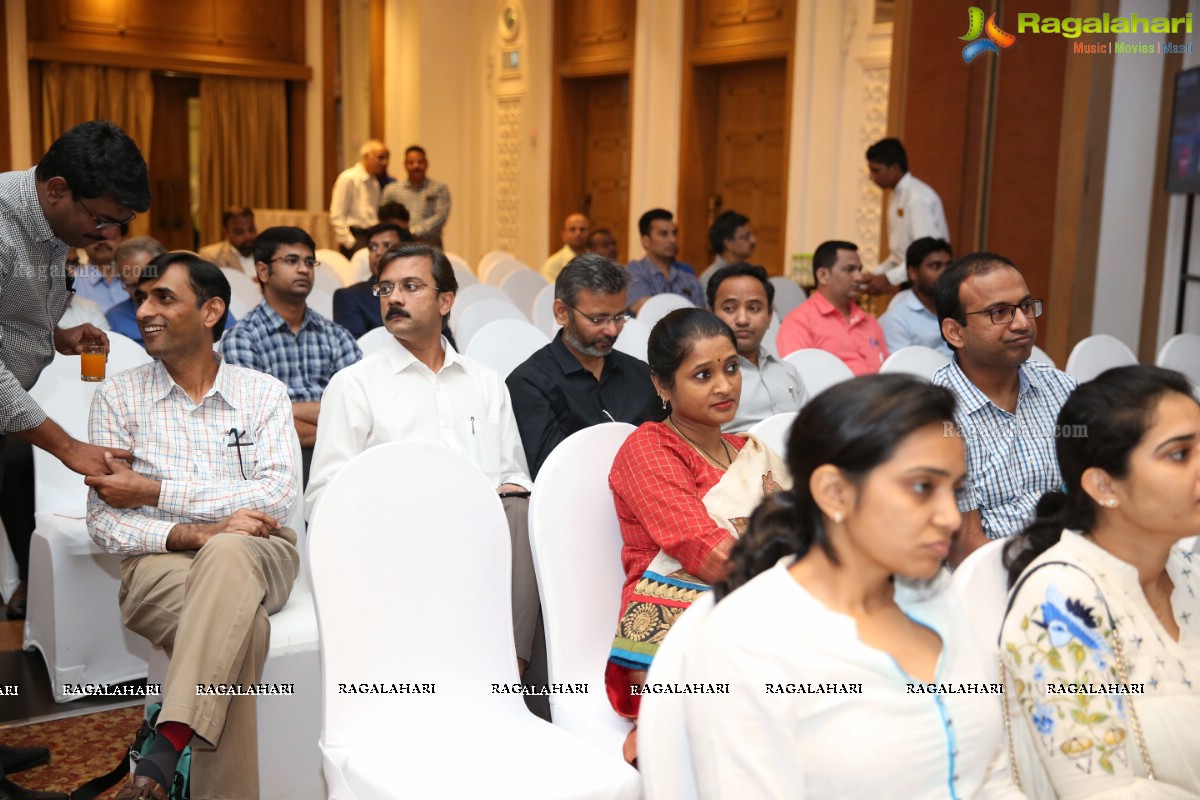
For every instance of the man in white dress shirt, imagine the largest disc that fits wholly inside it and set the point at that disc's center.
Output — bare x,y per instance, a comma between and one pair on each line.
354,204
418,389
914,210
742,296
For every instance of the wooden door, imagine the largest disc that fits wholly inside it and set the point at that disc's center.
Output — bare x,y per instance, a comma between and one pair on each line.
170,164
605,198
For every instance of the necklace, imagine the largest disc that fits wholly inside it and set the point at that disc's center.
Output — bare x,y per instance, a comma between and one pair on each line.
708,455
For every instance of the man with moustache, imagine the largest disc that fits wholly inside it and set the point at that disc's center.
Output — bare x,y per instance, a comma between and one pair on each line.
1007,405
282,336
99,280
236,250
417,388
579,380
355,307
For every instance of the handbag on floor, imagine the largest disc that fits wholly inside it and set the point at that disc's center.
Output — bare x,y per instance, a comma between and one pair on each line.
180,786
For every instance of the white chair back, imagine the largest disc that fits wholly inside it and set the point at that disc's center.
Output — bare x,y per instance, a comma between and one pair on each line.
523,286
321,301
244,289
768,340
458,262
664,754
543,310
473,294
1097,353
465,277
10,576
337,265
774,431
916,360
576,543
660,305
1182,353
1042,357
788,295
480,314
505,344
488,260
67,400
374,339
327,280
360,267
634,339
982,582
502,269
819,369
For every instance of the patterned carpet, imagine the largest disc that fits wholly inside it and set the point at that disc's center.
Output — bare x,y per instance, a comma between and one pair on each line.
81,748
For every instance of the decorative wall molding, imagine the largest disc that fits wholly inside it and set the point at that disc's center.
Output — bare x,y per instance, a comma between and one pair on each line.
874,78
508,171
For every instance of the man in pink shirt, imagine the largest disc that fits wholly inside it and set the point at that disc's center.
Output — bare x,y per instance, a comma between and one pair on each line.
830,319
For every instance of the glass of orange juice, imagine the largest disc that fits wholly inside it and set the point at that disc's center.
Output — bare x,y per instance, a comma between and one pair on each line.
91,362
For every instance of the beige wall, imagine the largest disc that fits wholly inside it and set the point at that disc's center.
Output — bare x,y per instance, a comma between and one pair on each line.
17,75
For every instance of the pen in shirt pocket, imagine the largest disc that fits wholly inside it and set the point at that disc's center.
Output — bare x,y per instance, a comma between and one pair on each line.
604,411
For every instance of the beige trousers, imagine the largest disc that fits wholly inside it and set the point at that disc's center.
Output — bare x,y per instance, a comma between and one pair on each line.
208,610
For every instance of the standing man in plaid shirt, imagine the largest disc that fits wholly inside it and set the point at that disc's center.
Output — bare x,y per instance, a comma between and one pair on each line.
198,518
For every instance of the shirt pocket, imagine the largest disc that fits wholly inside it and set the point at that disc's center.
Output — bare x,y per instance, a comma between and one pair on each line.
239,457
485,445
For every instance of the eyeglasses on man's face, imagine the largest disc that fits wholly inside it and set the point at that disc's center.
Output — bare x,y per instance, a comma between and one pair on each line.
295,261
409,288
104,224
619,319
1005,313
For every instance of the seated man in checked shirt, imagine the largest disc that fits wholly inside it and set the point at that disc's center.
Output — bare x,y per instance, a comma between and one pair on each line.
198,516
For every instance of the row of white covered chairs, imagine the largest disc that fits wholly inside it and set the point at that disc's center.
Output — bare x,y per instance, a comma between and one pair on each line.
1095,354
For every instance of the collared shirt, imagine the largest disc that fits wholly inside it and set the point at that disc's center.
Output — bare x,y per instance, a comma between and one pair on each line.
1011,459
816,323
304,361
914,211
92,284
768,388
185,445
555,263
908,322
706,276
354,202
390,396
554,396
226,256
81,310
646,280
429,205
33,297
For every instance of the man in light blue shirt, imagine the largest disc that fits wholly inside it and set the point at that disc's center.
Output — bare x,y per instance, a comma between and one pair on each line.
1007,406
911,318
99,280
658,272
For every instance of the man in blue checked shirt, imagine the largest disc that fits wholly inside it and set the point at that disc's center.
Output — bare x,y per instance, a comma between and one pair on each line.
283,337
1007,405
658,272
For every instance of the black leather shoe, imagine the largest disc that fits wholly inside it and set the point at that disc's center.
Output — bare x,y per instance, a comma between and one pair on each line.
15,759
10,791
16,604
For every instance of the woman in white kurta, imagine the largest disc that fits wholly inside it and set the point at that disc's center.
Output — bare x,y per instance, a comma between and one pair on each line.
851,671
1102,640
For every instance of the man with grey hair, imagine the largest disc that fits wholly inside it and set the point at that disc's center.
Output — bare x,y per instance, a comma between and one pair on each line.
579,380
354,205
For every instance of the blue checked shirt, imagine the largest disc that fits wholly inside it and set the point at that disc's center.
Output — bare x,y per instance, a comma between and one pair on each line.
646,280
304,361
1011,460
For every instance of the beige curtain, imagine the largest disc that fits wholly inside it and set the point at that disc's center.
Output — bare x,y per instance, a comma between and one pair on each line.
243,147
75,93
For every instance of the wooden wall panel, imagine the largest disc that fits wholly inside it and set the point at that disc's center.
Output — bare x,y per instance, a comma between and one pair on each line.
595,38
5,111
722,23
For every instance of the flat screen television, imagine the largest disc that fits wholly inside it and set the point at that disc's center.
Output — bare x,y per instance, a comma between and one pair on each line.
1183,170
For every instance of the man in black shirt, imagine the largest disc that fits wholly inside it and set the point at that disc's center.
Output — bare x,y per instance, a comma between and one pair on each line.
579,380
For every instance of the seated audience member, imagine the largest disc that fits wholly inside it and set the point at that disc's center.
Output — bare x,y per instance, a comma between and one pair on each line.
683,492
356,308
283,337
911,317
579,380
829,319
98,279
603,242
418,389
1006,403
658,272
574,236
236,250
199,523
360,263
80,310
731,240
839,583
1104,594
743,297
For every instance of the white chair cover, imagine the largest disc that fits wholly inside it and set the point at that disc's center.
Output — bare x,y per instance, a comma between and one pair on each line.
337,266
327,280
660,305
505,344
523,286
488,260
464,276
10,575
774,431
1095,354
819,369
633,339
373,339
576,544
452,615
473,294
543,310
245,291
360,267
768,340
502,269
982,583
1041,356
916,360
321,301
1182,353
788,295
479,314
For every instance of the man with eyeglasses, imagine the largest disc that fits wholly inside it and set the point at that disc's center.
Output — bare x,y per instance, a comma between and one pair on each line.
579,379
282,336
731,239
1007,404
356,308
417,388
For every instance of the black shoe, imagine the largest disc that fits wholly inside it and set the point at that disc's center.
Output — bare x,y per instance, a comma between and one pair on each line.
16,604
15,759
10,791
